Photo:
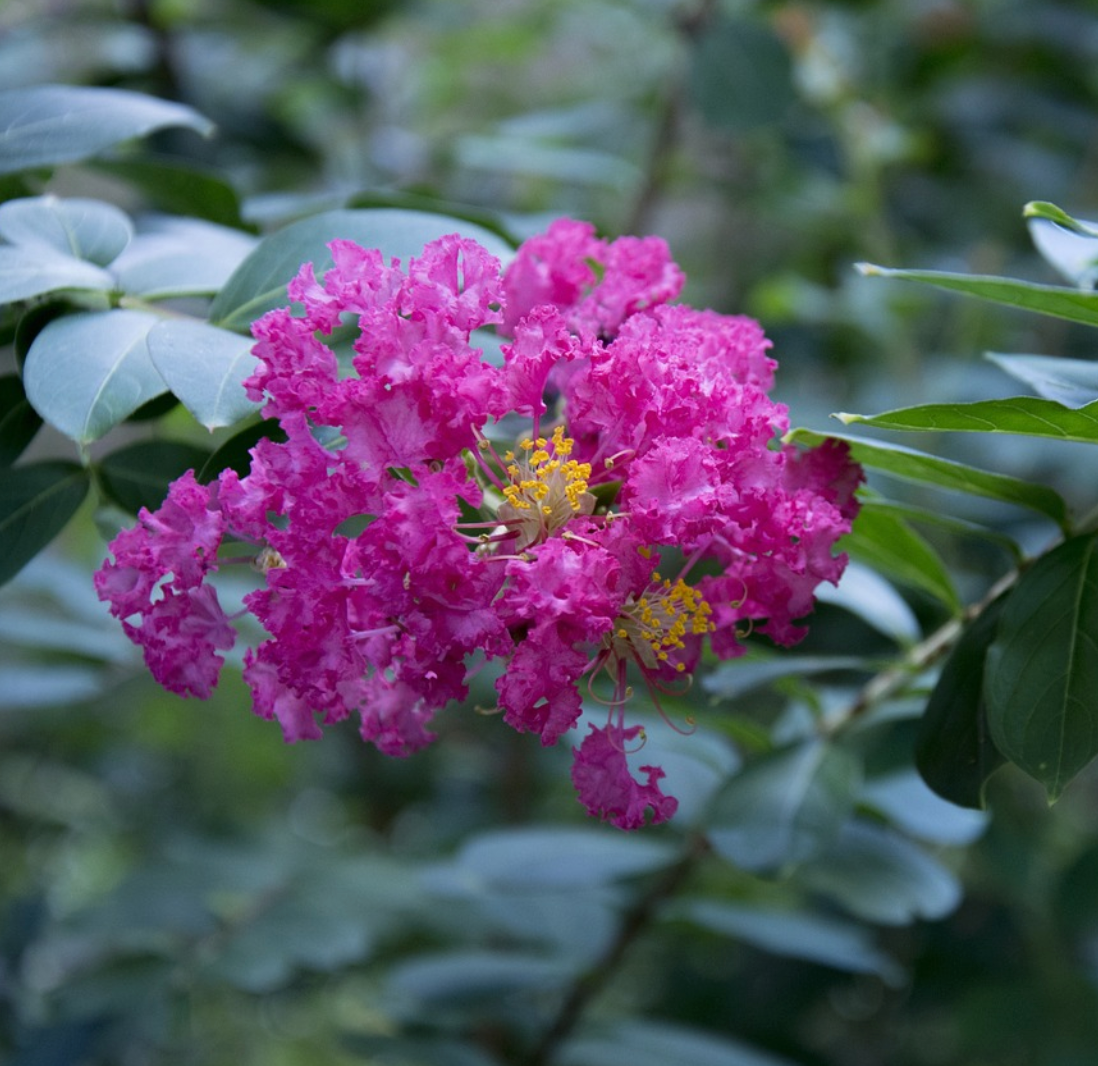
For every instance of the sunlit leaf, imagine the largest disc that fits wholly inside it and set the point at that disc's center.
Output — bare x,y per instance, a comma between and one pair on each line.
954,752
867,595
1055,300
36,503
921,468
49,124
785,807
205,367
259,283
1042,668
1026,415
86,372
139,475
83,229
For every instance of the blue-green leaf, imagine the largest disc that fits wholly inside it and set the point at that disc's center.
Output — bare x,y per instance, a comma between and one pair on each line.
259,283
27,272
785,807
83,229
36,503
205,367
1042,668
921,468
139,475
1071,382
50,124
86,372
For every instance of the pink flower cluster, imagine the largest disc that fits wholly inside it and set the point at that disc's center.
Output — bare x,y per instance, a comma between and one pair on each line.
430,511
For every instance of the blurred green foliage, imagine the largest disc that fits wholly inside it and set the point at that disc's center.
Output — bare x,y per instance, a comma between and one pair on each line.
178,887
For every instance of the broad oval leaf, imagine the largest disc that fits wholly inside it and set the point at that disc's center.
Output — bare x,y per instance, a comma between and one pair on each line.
954,751
905,800
1055,300
19,422
180,257
85,373
139,475
83,229
36,503
876,874
27,272
1071,382
796,934
50,124
205,367
1024,415
259,283
923,469
785,807
866,594
1042,668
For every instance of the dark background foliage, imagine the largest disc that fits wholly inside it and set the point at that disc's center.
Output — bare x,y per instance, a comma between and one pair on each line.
176,886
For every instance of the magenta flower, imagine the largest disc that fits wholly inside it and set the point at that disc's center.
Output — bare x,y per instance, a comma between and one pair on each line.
467,513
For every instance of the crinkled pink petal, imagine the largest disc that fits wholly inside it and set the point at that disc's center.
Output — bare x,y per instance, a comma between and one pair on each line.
600,772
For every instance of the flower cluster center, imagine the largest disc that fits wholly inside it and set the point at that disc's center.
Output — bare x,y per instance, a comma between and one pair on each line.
654,626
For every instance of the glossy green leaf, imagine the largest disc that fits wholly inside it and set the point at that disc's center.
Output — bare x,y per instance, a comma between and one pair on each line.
139,475
880,876
235,452
19,422
1055,300
1042,209
867,595
734,679
205,367
1042,668
888,544
921,468
83,229
954,751
1029,416
796,934
36,503
180,257
785,807
85,373
259,283
50,124
1071,382
27,272
640,1042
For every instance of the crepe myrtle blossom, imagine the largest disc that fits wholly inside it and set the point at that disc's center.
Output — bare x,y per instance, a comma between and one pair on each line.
588,513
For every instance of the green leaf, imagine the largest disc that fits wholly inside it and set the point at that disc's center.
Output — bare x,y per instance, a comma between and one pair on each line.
139,475
1042,668
27,272
888,544
85,373
637,1042
923,469
904,799
954,751
259,283
555,858
867,595
732,680
794,934
1042,209
785,807
36,503
83,229
50,124
1055,300
1071,382
205,367
180,257
1028,416
19,422
880,876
